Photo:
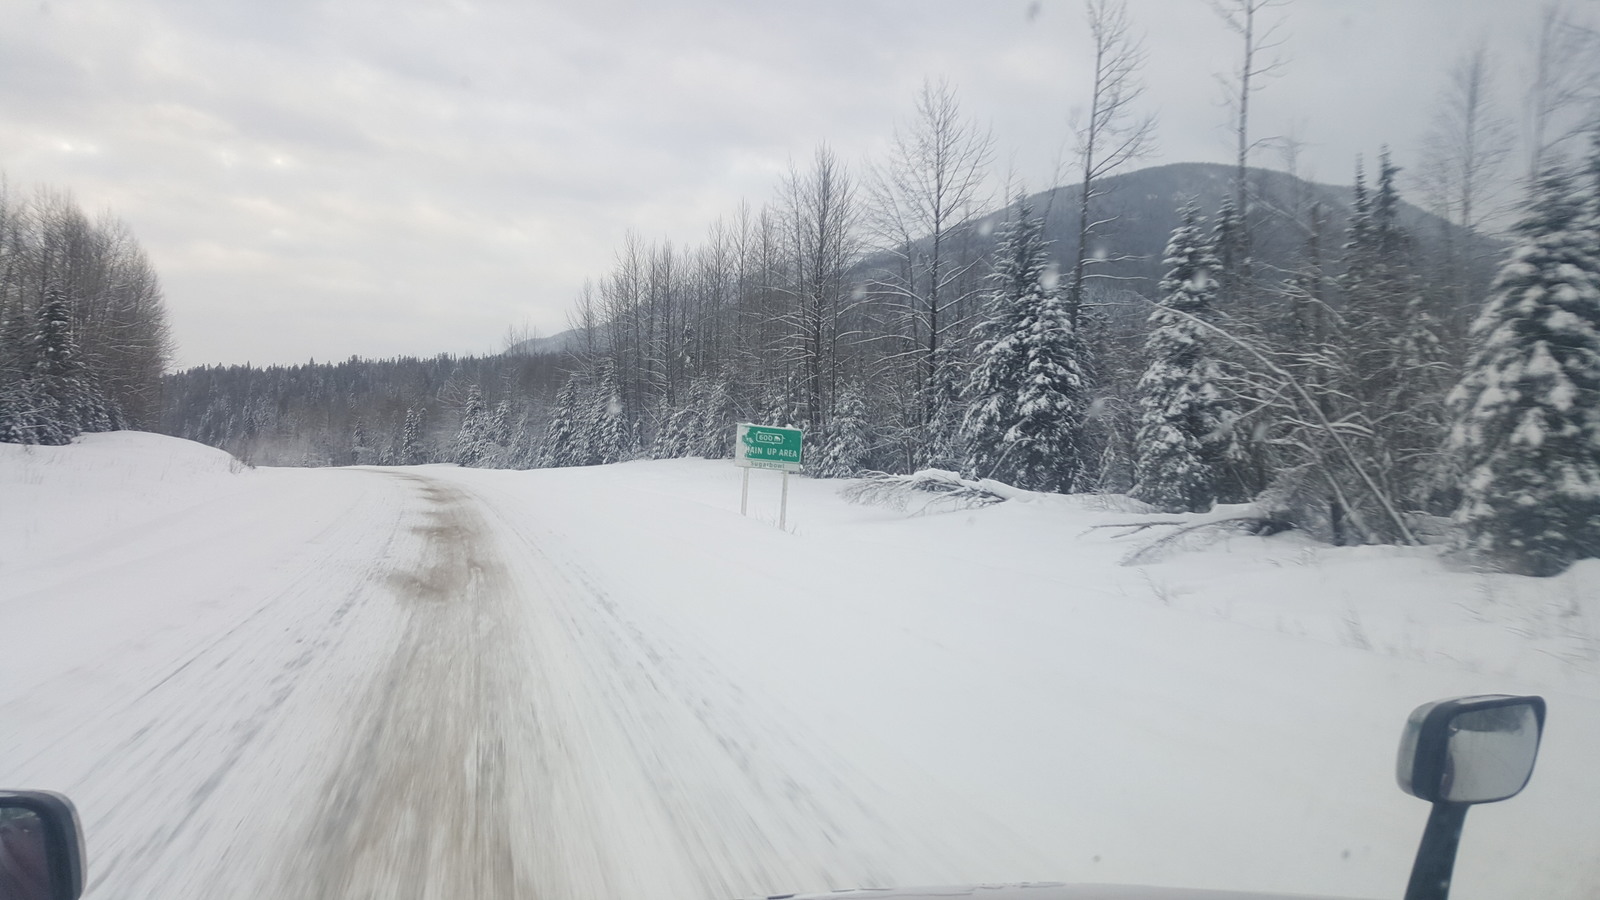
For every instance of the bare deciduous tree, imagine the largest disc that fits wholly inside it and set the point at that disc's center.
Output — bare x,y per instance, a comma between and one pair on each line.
584,321
821,219
932,181
1460,176
1256,63
1467,145
1113,133
1564,90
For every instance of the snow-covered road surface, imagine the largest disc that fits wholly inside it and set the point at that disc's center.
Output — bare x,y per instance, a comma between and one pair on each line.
434,682
522,740
372,684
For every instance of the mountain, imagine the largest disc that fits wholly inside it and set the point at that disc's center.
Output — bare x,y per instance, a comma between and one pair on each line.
560,342
1144,207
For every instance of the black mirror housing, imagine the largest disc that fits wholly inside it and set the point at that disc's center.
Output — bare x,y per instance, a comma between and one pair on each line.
1470,749
41,846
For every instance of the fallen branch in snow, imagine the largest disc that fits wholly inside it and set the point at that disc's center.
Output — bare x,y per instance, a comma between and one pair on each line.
1202,535
1134,527
930,490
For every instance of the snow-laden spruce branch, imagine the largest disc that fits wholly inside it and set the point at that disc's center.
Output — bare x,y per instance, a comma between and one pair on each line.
1336,431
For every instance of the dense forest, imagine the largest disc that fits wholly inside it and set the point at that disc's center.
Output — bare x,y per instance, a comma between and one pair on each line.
366,412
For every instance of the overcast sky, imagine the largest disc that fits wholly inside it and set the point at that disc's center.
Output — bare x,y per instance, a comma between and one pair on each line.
322,179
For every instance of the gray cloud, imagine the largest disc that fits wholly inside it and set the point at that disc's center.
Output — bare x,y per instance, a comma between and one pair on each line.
328,178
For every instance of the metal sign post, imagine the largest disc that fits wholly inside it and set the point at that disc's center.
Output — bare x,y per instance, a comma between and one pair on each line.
766,447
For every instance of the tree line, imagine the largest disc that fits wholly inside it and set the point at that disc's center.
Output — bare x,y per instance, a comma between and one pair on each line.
83,328
483,411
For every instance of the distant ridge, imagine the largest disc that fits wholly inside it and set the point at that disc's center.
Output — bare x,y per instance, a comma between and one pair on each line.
560,342
1145,205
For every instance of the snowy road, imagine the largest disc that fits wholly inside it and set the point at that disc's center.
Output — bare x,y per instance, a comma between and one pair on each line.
522,740
394,692
433,682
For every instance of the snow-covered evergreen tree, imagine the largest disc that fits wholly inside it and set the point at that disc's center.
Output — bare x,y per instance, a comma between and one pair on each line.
941,444
1182,414
519,451
1389,373
609,437
1026,393
717,421
683,427
672,440
560,446
16,369
24,412
472,446
703,425
95,413
1226,242
497,436
1527,411
1391,337
411,451
362,452
58,373
847,448
779,405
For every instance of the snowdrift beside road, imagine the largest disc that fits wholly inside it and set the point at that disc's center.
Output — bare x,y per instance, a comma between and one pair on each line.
56,498
1401,602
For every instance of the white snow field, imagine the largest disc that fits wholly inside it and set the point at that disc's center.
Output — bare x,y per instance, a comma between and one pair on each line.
604,683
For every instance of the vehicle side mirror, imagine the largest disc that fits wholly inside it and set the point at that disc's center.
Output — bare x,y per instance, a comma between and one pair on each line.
41,847
1458,752
1471,749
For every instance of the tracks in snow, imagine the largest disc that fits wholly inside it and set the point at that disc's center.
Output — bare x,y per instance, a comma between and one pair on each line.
530,737
417,805
395,687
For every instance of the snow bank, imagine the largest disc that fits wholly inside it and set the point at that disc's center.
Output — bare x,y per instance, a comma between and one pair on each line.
61,498
1225,718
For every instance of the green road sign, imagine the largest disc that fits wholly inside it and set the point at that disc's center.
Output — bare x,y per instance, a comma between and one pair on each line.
764,447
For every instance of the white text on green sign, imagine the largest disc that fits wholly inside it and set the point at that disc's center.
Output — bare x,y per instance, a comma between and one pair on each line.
767,447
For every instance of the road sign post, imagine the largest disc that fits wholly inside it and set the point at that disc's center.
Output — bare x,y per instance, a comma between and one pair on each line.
767,447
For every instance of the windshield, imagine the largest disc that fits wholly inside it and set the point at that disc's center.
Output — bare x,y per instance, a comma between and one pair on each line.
704,450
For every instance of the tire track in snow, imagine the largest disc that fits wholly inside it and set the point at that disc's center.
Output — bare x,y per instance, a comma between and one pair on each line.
529,739
416,808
